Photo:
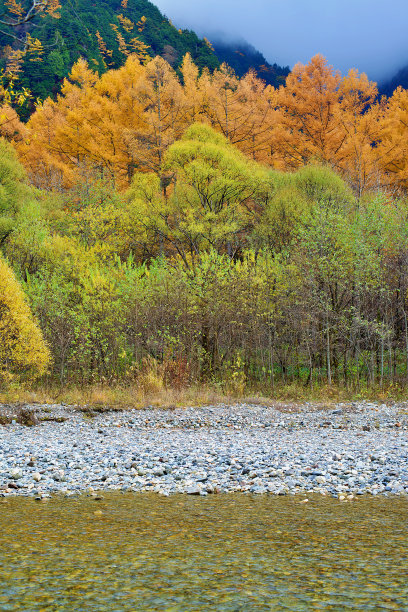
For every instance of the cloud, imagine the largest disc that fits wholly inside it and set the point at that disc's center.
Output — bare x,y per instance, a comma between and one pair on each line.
366,34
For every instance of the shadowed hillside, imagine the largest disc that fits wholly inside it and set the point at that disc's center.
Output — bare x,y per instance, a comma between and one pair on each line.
242,56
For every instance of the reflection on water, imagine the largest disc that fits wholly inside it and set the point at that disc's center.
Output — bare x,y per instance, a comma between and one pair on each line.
232,552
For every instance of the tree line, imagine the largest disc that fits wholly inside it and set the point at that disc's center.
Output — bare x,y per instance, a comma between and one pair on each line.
123,122
211,228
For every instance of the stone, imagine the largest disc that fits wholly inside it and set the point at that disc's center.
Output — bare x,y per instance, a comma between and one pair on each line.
214,449
16,473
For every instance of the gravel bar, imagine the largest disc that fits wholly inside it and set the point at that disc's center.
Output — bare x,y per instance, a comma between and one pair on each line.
344,451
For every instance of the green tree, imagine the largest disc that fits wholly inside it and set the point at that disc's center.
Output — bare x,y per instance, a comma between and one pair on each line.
320,184
215,194
15,193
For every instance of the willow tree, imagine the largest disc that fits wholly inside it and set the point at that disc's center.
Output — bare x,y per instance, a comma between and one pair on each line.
216,192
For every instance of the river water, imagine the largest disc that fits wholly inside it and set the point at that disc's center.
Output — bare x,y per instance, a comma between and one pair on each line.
220,553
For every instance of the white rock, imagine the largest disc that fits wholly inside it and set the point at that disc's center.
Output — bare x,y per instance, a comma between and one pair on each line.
16,473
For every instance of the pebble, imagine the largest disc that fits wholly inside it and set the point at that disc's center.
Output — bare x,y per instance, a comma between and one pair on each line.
346,452
16,473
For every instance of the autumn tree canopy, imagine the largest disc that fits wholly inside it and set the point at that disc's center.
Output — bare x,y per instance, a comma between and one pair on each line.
125,120
22,348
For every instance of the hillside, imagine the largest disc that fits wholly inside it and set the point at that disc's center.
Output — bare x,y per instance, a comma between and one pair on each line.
400,79
105,33
242,56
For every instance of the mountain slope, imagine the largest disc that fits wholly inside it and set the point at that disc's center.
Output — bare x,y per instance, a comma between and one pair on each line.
400,79
242,56
104,32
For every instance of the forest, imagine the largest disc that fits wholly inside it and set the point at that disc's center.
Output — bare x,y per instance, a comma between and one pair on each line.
105,33
176,226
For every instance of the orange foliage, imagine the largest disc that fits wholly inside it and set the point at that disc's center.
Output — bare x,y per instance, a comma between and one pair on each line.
243,110
308,120
394,143
86,126
126,119
162,115
325,118
11,127
14,7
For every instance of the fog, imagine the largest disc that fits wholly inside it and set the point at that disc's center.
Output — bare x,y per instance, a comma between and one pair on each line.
370,35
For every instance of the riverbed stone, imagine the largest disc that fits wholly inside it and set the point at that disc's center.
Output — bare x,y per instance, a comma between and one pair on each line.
246,448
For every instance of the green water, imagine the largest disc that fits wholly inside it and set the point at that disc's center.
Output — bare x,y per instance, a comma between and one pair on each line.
232,552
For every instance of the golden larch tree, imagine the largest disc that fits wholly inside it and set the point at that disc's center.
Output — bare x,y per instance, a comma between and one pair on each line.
23,352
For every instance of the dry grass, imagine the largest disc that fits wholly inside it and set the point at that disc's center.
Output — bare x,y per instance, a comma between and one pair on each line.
118,397
21,414
329,396
152,394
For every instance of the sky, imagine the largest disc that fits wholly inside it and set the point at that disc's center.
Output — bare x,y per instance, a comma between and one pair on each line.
370,35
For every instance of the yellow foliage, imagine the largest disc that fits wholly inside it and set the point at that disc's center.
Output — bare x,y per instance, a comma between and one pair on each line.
14,7
34,48
127,24
125,120
11,127
151,379
22,348
121,41
85,127
141,24
105,52
140,49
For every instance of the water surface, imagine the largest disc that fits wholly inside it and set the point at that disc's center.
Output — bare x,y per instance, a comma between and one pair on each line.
227,552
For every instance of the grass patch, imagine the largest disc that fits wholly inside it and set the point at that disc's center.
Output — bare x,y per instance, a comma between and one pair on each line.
53,419
22,415
96,399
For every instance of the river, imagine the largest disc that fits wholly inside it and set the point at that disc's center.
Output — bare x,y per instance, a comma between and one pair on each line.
225,553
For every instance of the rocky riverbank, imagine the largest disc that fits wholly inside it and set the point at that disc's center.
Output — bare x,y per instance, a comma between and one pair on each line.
345,450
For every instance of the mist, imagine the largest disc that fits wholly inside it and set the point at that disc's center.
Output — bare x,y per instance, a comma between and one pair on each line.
370,35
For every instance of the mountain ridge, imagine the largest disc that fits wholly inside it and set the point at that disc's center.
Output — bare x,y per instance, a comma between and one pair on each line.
242,57
400,79
105,32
